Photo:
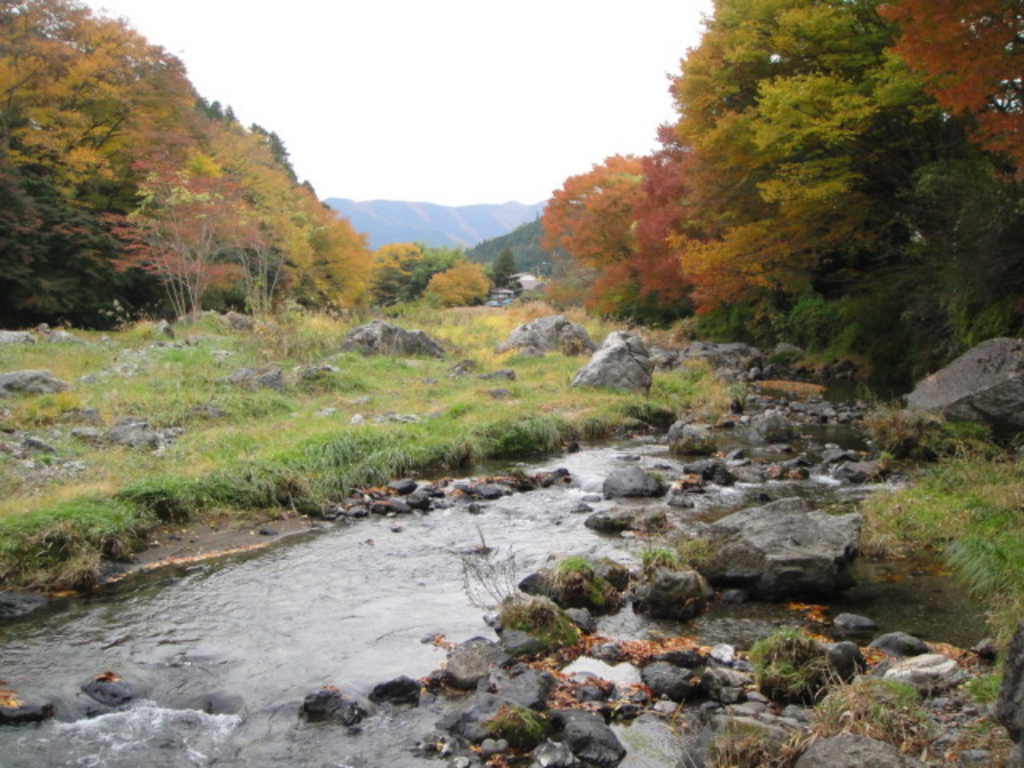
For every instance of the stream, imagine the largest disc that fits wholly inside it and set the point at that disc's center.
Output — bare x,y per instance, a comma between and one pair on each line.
356,604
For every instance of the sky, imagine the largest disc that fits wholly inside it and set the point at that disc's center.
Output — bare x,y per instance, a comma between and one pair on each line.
455,102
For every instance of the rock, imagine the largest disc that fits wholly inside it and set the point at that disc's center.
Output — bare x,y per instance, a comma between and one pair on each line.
769,736
622,363
782,549
17,712
771,427
589,738
611,521
583,619
691,439
553,333
846,659
985,384
401,690
899,644
237,321
1009,709
857,472
470,661
258,378
851,623
403,487
469,721
30,383
733,357
109,689
14,605
380,338
632,482
928,672
518,643
134,433
849,750
504,373
553,754
331,704
529,690
726,686
677,595
164,328
664,679
16,337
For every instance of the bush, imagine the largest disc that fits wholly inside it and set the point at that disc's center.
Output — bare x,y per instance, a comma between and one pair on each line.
790,667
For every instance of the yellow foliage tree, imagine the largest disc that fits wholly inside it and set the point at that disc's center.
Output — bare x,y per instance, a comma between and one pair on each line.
462,285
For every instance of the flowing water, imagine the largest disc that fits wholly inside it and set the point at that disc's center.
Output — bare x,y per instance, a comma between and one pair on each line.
355,605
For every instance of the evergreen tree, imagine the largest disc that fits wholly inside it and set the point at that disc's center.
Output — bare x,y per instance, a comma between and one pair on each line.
503,269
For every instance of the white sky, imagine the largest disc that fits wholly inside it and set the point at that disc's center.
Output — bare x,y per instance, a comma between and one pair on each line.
445,101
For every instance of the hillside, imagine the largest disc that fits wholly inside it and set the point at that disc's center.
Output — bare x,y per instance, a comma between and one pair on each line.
395,221
523,242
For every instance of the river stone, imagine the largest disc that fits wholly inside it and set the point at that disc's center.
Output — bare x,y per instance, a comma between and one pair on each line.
726,686
32,711
845,659
985,384
782,549
469,721
770,736
109,689
14,605
691,440
772,427
857,472
553,754
470,661
850,750
611,521
669,594
670,681
529,690
899,644
331,704
16,337
516,642
30,383
589,738
734,356
632,482
258,378
380,338
401,690
854,623
1009,709
622,363
928,672
553,333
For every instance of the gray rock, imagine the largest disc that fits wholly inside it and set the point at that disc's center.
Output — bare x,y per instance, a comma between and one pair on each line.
691,439
985,384
1009,708
380,338
611,521
622,363
331,704
849,750
14,605
771,427
857,472
928,672
16,337
553,333
846,659
632,482
472,660
401,690
552,754
726,686
853,623
899,644
664,679
30,383
589,738
134,433
677,595
783,549
258,378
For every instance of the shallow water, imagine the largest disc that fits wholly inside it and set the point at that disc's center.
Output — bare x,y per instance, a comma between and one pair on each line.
351,606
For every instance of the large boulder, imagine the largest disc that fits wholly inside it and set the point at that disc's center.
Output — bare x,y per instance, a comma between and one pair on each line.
985,384
784,549
1010,705
621,363
380,338
850,750
631,482
553,333
30,383
16,337
677,595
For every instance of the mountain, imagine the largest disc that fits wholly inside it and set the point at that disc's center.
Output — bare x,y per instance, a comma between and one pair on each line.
395,221
523,242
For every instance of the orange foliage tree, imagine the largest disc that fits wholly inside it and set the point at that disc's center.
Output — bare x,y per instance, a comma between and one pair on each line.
462,285
972,52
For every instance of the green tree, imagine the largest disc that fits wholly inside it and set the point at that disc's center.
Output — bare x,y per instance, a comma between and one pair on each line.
503,268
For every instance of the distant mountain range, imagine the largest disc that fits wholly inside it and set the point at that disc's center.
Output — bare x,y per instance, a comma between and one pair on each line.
395,221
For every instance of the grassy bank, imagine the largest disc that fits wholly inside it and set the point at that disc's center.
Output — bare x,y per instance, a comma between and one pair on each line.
244,452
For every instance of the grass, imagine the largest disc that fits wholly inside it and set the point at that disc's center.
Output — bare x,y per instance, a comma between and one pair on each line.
522,728
540,618
294,449
884,710
790,667
968,508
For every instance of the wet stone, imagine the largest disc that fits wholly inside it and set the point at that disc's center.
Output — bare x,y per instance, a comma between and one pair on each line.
329,703
109,689
853,623
899,644
401,690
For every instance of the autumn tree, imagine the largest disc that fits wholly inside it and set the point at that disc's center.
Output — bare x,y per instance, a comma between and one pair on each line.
402,271
972,53
462,285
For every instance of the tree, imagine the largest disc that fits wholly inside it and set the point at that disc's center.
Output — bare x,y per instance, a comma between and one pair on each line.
972,53
503,268
462,285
